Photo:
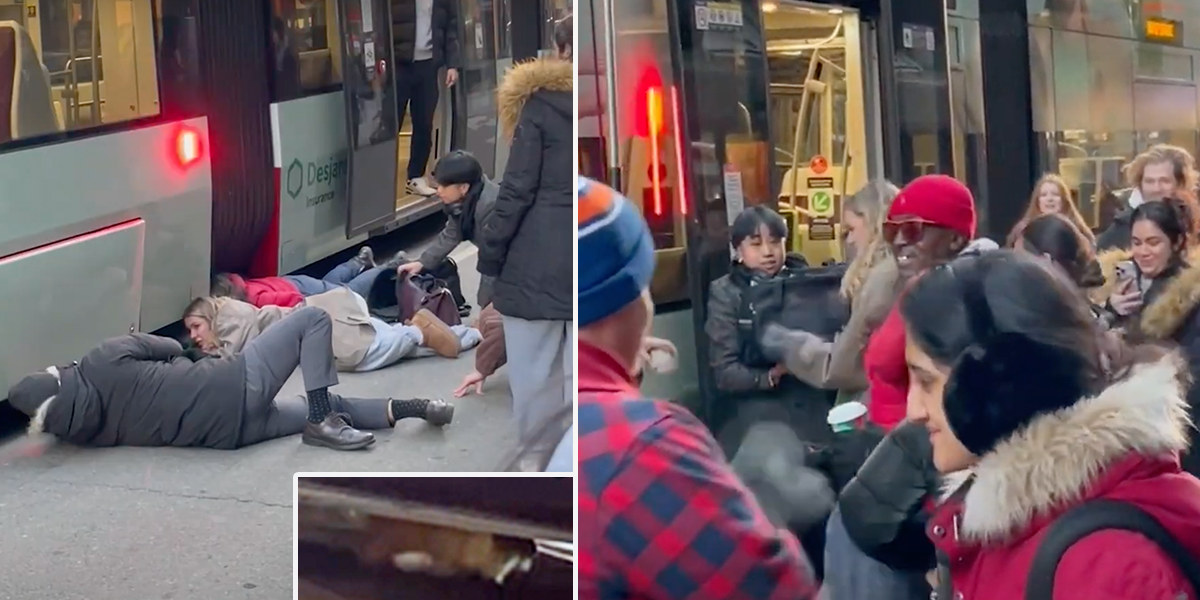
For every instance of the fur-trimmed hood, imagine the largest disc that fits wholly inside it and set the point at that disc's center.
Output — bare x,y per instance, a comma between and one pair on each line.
1060,457
527,79
1170,308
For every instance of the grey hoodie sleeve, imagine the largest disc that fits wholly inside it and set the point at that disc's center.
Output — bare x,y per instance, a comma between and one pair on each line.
445,243
837,365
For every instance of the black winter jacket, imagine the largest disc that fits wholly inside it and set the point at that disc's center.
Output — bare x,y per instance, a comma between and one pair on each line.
444,28
140,390
528,243
1118,234
726,353
883,507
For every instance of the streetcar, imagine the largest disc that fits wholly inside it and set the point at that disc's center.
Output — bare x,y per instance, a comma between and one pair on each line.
695,109
147,144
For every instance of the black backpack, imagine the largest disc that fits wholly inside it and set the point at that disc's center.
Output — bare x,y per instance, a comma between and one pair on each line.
807,299
1094,516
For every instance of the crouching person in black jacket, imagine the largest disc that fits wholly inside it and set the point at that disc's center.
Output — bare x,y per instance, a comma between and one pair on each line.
141,390
875,545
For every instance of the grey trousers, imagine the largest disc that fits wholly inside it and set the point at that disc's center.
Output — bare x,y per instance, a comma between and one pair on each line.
542,379
304,339
852,575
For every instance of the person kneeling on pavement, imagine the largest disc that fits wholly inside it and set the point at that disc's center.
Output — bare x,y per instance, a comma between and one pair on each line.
468,198
360,342
142,390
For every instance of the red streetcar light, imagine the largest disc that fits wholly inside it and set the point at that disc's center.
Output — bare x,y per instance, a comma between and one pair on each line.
187,146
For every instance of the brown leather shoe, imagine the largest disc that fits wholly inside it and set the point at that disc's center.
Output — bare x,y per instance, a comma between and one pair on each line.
438,335
335,432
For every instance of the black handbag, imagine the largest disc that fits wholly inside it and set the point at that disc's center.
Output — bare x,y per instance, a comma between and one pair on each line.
806,299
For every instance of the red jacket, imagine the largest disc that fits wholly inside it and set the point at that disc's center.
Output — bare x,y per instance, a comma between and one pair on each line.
887,372
661,514
269,291
991,532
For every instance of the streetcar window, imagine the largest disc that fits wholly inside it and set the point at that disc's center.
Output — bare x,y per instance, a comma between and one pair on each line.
78,64
305,48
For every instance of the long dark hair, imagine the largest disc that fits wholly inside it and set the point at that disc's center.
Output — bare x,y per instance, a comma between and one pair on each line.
1058,237
1174,217
1021,296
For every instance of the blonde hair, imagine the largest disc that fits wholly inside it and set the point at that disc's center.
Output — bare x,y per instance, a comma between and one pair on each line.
871,203
1182,163
205,308
1070,211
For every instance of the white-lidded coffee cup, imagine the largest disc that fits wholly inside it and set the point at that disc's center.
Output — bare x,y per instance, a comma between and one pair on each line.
847,417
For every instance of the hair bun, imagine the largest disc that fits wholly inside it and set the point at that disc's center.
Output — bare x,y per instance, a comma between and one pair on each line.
997,387
1183,211
1091,274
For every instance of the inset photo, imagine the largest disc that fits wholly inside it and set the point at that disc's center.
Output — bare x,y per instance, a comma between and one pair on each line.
392,536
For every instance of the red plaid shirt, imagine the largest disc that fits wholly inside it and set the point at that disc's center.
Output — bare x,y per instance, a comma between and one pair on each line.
661,514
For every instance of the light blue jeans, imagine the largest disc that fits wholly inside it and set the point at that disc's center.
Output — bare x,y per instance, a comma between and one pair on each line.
394,342
349,274
563,460
852,575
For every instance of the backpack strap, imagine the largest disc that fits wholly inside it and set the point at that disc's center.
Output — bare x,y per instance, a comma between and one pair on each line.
1099,515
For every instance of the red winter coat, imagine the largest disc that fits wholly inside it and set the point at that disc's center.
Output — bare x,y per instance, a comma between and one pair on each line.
269,291
1121,445
887,372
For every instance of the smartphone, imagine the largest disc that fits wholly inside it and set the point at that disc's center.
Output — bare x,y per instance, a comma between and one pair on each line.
1126,270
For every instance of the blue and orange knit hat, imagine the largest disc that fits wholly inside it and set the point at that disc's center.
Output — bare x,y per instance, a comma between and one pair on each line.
616,252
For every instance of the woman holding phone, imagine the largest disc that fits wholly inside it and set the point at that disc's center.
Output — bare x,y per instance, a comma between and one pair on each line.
1154,287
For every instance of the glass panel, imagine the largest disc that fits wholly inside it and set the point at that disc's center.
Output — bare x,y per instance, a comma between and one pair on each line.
305,48
552,12
815,73
101,59
591,91
730,138
966,109
477,82
1166,114
1099,100
503,23
923,97
1042,79
1107,17
647,129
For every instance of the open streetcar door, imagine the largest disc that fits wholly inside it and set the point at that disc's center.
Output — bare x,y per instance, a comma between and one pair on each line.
369,86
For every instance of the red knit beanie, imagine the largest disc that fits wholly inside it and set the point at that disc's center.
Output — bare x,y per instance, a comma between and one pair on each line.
936,200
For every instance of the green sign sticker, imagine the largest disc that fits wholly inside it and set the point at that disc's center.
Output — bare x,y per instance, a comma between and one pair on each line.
822,204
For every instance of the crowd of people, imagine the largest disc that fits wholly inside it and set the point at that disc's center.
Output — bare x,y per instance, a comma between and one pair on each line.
220,388
1026,412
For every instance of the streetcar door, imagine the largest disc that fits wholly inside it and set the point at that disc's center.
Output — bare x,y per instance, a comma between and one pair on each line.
370,92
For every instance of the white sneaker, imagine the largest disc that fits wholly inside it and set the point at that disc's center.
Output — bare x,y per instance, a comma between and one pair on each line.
419,187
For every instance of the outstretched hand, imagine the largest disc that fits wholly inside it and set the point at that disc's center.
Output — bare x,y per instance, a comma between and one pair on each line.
472,383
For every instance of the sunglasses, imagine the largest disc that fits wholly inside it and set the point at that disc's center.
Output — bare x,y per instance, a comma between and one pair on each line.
911,230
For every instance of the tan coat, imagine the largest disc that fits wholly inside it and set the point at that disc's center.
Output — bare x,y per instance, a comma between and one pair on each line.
837,365
238,323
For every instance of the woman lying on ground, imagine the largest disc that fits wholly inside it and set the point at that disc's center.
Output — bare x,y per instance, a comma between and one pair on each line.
360,342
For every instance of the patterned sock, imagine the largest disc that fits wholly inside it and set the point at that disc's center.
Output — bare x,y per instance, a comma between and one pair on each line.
318,405
408,409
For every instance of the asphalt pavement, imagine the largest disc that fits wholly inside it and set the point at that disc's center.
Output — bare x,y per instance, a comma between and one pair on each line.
170,523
